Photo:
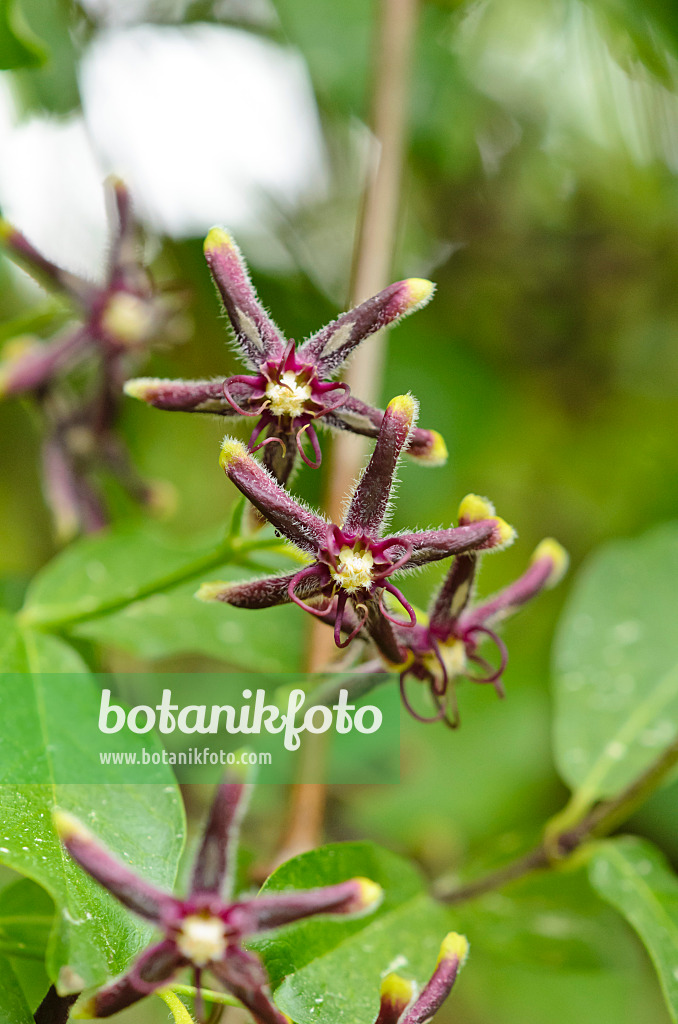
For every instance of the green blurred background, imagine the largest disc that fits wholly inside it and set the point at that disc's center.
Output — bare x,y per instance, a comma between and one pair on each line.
540,194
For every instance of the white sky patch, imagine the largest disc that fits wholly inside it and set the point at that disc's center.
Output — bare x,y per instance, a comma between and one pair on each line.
207,125
50,186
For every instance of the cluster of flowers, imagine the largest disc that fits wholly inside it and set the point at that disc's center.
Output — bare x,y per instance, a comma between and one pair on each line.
348,580
205,931
76,378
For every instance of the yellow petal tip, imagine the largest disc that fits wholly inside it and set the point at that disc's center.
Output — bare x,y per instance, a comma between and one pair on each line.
210,592
396,989
436,453
557,555
218,238
231,449
473,508
419,290
143,388
371,893
507,534
68,826
403,405
454,947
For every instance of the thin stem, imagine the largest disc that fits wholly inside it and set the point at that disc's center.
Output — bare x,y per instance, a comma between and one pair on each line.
371,271
218,998
233,551
559,845
54,1009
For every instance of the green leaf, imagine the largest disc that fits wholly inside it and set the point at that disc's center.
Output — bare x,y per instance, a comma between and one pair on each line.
547,920
330,969
616,665
93,936
26,918
174,622
100,574
19,48
636,878
14,1008
133,588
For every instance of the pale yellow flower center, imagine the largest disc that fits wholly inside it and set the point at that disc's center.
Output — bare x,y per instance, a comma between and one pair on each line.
289,396
202,939
453,653
129,319
354,569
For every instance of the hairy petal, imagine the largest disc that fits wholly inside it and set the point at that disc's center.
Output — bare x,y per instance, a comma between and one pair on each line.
454,594
261,593
396,994
219,838
304,528
257,335
548,564
137,894
125,270
453,953
244,976
152,970
432,545
74,503
45,272
332,345
427,446
186,395
39,363
369,504
358,895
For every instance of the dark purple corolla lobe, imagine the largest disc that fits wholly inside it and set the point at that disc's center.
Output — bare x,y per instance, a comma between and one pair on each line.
291,388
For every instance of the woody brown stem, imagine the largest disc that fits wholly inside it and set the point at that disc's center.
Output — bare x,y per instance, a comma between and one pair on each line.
374,248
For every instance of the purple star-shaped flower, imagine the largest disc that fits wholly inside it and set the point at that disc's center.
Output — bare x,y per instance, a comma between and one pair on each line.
205,930
291,389
445,645
122,315
350,565
396,1005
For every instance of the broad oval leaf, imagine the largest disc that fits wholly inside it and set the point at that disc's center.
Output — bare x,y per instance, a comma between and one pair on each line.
328,970
174,622
13,1006
93,937
99,574
19,48
26,919
635,877
133,588
616,665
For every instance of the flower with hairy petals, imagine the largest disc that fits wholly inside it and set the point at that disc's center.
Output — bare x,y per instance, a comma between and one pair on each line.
397,993
444,645
124,314
205,930
351,564
291,389
118,320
